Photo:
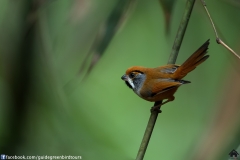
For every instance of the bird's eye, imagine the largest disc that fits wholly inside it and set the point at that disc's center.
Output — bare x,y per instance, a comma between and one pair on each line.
132,75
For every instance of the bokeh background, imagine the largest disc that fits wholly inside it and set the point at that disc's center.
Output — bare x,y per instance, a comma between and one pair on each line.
61,92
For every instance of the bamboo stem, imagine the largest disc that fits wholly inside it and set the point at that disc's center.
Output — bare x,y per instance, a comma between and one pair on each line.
147,135
181,31
172,60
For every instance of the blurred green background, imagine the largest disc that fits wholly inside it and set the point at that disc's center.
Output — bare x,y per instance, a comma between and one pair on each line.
61,92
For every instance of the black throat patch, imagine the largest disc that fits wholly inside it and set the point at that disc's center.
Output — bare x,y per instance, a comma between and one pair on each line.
128,84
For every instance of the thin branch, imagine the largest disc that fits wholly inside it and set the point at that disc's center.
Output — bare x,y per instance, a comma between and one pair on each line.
172,59
181,31
147,135
219,41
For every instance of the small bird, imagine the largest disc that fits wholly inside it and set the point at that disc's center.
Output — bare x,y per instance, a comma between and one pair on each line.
160,83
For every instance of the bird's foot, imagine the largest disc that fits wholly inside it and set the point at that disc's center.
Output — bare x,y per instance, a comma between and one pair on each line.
156,109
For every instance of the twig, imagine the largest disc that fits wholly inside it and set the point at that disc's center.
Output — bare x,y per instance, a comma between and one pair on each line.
147,135
219,41
172,59
181,31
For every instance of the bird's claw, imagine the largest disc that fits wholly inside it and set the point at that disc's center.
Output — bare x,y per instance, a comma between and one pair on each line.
156,109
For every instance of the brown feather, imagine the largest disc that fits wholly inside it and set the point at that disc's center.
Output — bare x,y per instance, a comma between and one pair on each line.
162,82
193,61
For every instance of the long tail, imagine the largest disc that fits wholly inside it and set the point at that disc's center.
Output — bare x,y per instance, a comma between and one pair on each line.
193,61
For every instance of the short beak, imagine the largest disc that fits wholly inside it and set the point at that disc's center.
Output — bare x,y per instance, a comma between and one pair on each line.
124,77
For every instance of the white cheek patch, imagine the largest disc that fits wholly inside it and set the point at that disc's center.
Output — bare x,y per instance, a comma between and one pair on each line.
131,83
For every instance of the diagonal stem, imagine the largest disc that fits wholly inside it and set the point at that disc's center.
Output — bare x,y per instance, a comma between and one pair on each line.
147,135
219,41
181,31
172,60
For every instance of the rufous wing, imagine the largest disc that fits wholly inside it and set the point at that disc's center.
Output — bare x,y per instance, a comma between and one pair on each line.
163,86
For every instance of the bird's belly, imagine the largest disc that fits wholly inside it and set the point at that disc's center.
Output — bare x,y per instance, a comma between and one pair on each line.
160,96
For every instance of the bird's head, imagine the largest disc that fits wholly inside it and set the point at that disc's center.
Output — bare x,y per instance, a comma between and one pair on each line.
135,77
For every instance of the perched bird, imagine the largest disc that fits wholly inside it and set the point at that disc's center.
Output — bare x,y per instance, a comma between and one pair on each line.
158,84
